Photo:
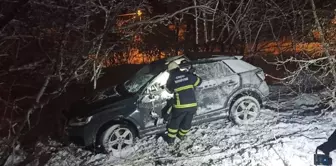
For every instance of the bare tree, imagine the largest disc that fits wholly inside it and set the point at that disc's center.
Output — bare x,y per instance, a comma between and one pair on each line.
196,23
213,22
50,49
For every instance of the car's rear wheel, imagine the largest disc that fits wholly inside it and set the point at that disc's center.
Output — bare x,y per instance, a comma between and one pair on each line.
245,110
118,139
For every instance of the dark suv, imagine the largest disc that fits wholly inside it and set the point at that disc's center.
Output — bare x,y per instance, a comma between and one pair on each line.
113,118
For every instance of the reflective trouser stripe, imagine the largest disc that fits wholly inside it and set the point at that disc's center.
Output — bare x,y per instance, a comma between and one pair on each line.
172,132
197,81
183,132
171,135
185,105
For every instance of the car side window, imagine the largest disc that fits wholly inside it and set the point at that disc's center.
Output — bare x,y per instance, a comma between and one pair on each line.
157,86
212,70
202,71
222,69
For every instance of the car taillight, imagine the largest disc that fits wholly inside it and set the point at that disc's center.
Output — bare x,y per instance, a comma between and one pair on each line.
261,75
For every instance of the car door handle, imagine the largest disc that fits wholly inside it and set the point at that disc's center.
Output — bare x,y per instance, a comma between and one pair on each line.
231,83
211,85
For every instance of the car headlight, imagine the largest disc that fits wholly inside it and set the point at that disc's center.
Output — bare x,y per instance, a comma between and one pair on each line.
80,121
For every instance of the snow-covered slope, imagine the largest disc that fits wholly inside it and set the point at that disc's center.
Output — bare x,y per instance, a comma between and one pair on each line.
284,135
277,139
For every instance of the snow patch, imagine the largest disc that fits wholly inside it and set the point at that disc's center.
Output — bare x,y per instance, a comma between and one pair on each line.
276,139
63,158
307,99
17,156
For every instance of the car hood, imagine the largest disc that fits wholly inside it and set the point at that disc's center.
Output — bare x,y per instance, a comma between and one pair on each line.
107,99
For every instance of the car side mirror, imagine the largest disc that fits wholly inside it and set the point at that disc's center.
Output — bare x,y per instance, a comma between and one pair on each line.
151,96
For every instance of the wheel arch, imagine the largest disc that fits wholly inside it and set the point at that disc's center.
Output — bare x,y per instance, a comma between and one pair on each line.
104,126
243,92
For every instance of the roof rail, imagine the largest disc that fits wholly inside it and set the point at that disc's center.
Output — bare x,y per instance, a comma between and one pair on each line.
224,57
212,55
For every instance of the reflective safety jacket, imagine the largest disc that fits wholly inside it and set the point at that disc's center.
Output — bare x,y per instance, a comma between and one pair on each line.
182,84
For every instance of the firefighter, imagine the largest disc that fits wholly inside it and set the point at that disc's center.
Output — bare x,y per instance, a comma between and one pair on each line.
182,84
328,146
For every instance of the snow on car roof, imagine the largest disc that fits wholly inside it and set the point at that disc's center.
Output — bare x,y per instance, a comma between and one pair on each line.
233,62
239,66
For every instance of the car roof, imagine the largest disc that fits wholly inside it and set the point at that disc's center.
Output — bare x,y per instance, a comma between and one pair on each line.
199,56
235,62
167,60
239,66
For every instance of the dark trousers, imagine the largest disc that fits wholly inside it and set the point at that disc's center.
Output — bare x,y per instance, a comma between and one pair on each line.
330,145
180,122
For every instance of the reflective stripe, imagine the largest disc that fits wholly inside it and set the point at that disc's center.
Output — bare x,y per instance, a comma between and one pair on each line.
185,105
182,88
184,131
178,102
169,110
172,130
171,135
197,81
181,133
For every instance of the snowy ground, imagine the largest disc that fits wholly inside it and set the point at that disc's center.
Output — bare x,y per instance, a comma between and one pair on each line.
286,134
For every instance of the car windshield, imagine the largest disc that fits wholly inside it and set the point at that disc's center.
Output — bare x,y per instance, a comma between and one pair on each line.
142,77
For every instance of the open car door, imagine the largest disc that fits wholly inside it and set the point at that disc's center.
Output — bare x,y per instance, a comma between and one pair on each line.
154,100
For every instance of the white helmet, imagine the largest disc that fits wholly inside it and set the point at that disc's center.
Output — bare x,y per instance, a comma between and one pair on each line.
172,65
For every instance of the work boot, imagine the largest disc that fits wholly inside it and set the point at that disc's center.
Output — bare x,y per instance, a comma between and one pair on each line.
170,141
181,137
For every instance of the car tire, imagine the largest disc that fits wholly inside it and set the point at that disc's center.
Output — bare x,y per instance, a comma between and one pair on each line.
117,139
245,110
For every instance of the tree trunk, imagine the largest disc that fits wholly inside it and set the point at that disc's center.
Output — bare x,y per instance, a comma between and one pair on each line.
323,41
26,121
177,31
205,24
213,23
196,22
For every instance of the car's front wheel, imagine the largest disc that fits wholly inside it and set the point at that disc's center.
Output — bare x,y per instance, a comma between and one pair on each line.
117,139
245,110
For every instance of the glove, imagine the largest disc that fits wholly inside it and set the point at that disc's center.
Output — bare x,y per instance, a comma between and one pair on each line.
166,115
154,115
